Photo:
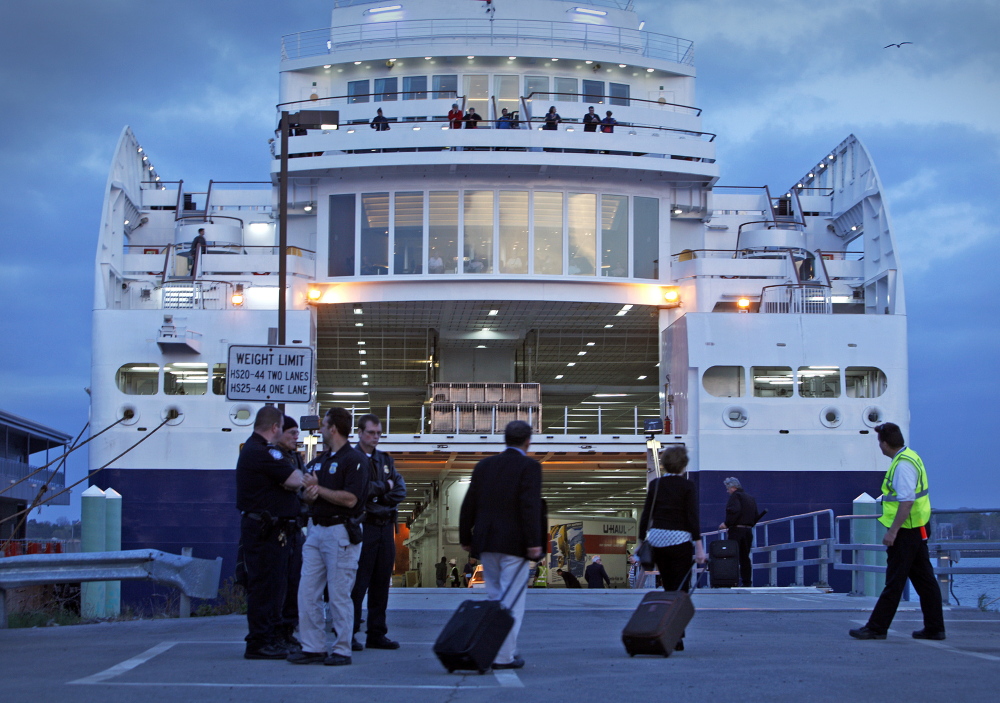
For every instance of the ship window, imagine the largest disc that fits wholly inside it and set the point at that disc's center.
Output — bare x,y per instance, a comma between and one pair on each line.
442,247
357,91
582,233
819,381
138,379
478,231
415,88
408,240
593,92
386,89
505,90
772,381
341,249
445,87
620,93
725,381
477,87
549,233
539,85
566,90
219,379
374,234
513,231
614,236
864,381
185,378
646,238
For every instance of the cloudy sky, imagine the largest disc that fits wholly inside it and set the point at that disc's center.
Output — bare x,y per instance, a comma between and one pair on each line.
781,82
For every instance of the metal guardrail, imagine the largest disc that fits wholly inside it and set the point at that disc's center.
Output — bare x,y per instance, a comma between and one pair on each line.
195,578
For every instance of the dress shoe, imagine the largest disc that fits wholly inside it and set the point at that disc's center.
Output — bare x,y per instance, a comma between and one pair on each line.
268,651
679,647
518,663
925,635
356,646
382,642
301,657
337,660
866,633
291,644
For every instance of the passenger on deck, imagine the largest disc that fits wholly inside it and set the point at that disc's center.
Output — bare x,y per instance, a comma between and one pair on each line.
591,120
380,123
608,123
472,119
552,119
506,120
455,117
198,247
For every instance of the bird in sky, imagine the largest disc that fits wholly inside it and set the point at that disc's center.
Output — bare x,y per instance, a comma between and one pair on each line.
899,45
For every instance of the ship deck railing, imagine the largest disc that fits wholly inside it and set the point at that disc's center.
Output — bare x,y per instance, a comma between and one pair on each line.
482,33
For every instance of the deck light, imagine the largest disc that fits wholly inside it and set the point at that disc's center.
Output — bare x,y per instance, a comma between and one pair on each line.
607,327
572,363
588,11
583,353
810,175
364,375
327,65
362,351
314,294
822,165
357,63
384,8
649,70
588,62
140,150
364,363
427,58
642,378
359,324
621,65
145,158
358,310
830,157
743,303
590,344
512,58
237,298
493,313
470,57
559,376
672,297
555,59
641,25
308,207
364,383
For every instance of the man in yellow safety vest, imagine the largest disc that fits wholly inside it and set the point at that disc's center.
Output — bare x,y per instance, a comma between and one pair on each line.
906,512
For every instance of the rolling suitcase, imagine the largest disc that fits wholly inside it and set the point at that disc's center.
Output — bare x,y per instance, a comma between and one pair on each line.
657,624
724,563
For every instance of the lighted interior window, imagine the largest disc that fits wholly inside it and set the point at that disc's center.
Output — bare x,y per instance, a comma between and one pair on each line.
513,231
408,233
414,87
566,90
342,216
582,233
548,233
620,93
864,382
505,89
614,236
374,234
138,379
725,381
386,89
185,378
357,91
219,379
539,85
442,245
772,381
478,231
476,87
593,92
819,381
646,238
445,87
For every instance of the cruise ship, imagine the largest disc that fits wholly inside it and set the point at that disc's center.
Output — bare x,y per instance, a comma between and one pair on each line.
451,273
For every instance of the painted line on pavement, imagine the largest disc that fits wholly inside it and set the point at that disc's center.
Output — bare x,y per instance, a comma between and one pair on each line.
937,644
292,685
127,665
508,678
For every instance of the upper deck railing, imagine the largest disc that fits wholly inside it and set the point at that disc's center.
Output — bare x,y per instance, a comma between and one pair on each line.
613,4
482,33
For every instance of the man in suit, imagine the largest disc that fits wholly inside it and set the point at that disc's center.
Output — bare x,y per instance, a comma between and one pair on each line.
500,524
596,575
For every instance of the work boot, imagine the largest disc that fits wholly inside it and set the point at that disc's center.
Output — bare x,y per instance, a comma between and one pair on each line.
866,633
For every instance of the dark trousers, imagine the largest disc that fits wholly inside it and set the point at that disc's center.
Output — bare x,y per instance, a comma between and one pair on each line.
290,610
674,564
744,538
378,557
907,558
266,561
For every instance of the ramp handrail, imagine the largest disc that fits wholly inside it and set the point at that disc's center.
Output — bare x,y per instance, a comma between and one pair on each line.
196,578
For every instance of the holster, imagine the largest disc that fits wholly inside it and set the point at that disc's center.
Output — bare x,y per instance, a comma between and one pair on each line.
355,532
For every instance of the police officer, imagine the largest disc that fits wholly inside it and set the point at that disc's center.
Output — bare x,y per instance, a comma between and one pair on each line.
386,490
266,486
336,487
906,512
741,516
288,444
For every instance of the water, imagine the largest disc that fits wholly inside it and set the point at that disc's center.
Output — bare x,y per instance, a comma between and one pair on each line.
968,587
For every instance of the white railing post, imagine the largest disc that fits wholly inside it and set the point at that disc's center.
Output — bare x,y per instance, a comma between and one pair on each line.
388,411
598,419
423,418
565,419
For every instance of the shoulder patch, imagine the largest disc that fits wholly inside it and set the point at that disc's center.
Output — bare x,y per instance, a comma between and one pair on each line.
276,454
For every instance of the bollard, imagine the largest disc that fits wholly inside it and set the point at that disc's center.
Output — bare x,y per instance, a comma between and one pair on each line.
112,543
185,604
93,532
868,531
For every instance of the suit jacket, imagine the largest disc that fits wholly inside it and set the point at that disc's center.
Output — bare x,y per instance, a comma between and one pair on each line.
502,510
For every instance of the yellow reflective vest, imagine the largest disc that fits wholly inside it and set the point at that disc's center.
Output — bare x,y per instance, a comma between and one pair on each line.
920,514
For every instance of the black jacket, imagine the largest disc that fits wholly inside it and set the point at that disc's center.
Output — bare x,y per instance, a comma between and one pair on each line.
503,508
741,509
596,576
380,508
676,506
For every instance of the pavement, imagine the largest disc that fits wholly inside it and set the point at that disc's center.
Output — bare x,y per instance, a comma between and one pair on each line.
744,644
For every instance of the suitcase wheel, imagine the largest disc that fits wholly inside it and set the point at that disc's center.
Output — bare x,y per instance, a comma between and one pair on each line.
450,670
631,654
483,671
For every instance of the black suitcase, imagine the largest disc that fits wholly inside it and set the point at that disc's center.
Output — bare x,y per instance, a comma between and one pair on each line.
724,563
473,636
657,624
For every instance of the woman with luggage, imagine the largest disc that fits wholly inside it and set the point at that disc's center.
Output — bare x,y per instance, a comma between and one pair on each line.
670,523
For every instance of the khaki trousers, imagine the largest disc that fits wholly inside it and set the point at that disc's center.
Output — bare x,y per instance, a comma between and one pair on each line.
328,559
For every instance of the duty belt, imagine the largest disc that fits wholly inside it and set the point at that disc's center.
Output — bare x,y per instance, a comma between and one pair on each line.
329,521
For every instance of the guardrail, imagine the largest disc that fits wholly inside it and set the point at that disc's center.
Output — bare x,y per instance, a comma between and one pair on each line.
195,578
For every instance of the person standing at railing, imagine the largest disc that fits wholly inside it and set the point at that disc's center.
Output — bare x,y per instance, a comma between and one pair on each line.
741,516
608,123
455,117
552,119
506,120
906,512
198,247
591,120
380,123
472,119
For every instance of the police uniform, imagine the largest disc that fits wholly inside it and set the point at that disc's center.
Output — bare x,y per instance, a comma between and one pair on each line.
269,514
290,610
378,550
329,558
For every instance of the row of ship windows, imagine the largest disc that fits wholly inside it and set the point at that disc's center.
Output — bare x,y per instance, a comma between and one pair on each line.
485,231
181,378
506,89
807,382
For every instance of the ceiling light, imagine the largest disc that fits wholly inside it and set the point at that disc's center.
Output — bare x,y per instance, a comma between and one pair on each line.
607,327
627,307
358,310
588,11
351,393
140,150
326,65
384,8
559,376
480,346
743,303
126,221
572,363
314,294
642,378
511,57
364,375
470,57
364,383
854,228
830,157
822,165
364,363
362,351
641,25
588,62
359,324
427,58
810,175
678,211
621,65
357,63
493,312
308,208
361,342
555,59
590,344
649,70
581,353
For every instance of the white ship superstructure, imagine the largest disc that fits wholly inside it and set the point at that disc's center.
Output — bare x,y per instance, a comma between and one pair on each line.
453,279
